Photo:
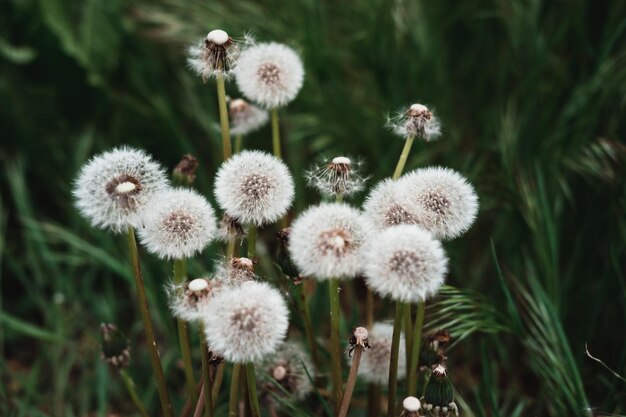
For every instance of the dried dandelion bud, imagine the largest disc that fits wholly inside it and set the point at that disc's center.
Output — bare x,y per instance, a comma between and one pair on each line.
338,177
113,188
270,74
325,241
185,171
235,271
179,224
405,263
245,323
359,337
115,346
434,350
374,366
445,203
245,117
188,300
438,400
214,55
410,407
288,368
386,206
254,187
416,121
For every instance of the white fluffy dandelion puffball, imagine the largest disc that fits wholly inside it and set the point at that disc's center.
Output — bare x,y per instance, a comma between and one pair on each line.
254,187
244,324
325,241
188,300
270,74
446,203
386,205
178,224
405,263
112,188
245,117
374,365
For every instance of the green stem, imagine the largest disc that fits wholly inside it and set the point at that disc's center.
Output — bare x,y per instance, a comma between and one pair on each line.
206,377
408,143
142,301
183,335
337,378
234,391
251,241
130,387
254,398
276,134
373,400
408,335
217,383
221,99
238,142
303,306
417,343
393,361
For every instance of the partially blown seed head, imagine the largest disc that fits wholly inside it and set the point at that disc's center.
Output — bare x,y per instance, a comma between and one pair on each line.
245,117
216,54
235,271
337,177
374,365
188,300
416,121
112,188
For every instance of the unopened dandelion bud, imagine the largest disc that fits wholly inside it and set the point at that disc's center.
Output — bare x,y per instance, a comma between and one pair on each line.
185,171
336,178
438,400
214,55
245,117
115,346
410,407
416,121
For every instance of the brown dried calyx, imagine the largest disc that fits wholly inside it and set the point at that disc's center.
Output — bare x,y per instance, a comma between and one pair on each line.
359,338
115,346
185,171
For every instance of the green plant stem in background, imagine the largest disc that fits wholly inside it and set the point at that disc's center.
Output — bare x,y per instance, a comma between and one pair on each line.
305,312
335,355
221,99
252,393
393,361
130,387
369,308
142,302
408,334
415,347
217,383
230,249
206,377
234,391
251,241
408,143
183,335
276,134
238,143
354,369
373,400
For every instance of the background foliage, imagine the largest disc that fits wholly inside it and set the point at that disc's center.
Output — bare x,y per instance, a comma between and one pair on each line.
531,95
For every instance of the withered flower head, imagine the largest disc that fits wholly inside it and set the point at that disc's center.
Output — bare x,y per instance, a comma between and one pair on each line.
115,346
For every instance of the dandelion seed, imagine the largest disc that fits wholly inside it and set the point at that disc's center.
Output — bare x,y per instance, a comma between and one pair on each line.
325,241
337,177
446,204
416,121
254,187
404,263
245,323
287,367
411,407
216,54
235,271
270,74
387,206
245,117
113,188
188,300
374,366
179,224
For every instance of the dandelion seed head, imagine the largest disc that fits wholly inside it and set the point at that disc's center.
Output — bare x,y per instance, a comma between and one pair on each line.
416,121
235,271
179,224
337,177
112,188
386,206
216,54
245,117
188,300
405,263
446,204
374,365
288,368
270,74
245,323
325,241
254,187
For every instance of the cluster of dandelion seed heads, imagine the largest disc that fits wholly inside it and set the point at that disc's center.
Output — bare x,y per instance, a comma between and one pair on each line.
113,188
416,121
179,224
405,263
288,367
235,271
188,300
245,323
325,241
254,187
245,117
386,205
270,74
216,54
337,177
446,204
374,366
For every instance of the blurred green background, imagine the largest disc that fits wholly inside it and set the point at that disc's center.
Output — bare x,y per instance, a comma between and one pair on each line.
531,95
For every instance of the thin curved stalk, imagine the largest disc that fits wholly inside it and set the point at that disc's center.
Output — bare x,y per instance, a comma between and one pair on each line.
333,296
130,387
207,384
238,143
303,306
408,143
393,362
276,134
234,391
416,346
354,370
183,336
221,99
217,383
408,335
252,393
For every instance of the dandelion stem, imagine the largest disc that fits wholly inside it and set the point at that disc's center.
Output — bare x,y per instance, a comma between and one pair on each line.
183,335
142,301
207,385
251,241
369,308
354,369
408,143
276,134
408,334
230,249
217,383
238,143
200,403
393,361
416,345
373,400
254,399
130,387
333,293
303,306
234,390
221,98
